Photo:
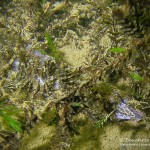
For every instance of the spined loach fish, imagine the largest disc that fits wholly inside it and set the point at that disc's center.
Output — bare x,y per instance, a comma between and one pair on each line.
127,114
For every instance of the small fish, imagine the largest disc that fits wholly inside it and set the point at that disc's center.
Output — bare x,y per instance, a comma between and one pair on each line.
126,112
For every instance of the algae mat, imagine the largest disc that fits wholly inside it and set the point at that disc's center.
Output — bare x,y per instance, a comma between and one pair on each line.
75,73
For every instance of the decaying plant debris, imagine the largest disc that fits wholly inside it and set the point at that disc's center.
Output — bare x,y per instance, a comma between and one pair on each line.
65,62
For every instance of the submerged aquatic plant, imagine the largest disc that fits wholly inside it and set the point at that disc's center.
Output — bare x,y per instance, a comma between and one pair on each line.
136,76
102,121
53,50
117,49
7,115
77,104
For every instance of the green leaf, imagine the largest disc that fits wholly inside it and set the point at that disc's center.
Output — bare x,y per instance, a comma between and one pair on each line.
136,77
76,104
16,125
54,51
117,49
103,120
50,42
7,112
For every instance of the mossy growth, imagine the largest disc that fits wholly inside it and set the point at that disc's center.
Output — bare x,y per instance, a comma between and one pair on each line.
88,137
51,117
44,132
104,96
103,89
40,137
